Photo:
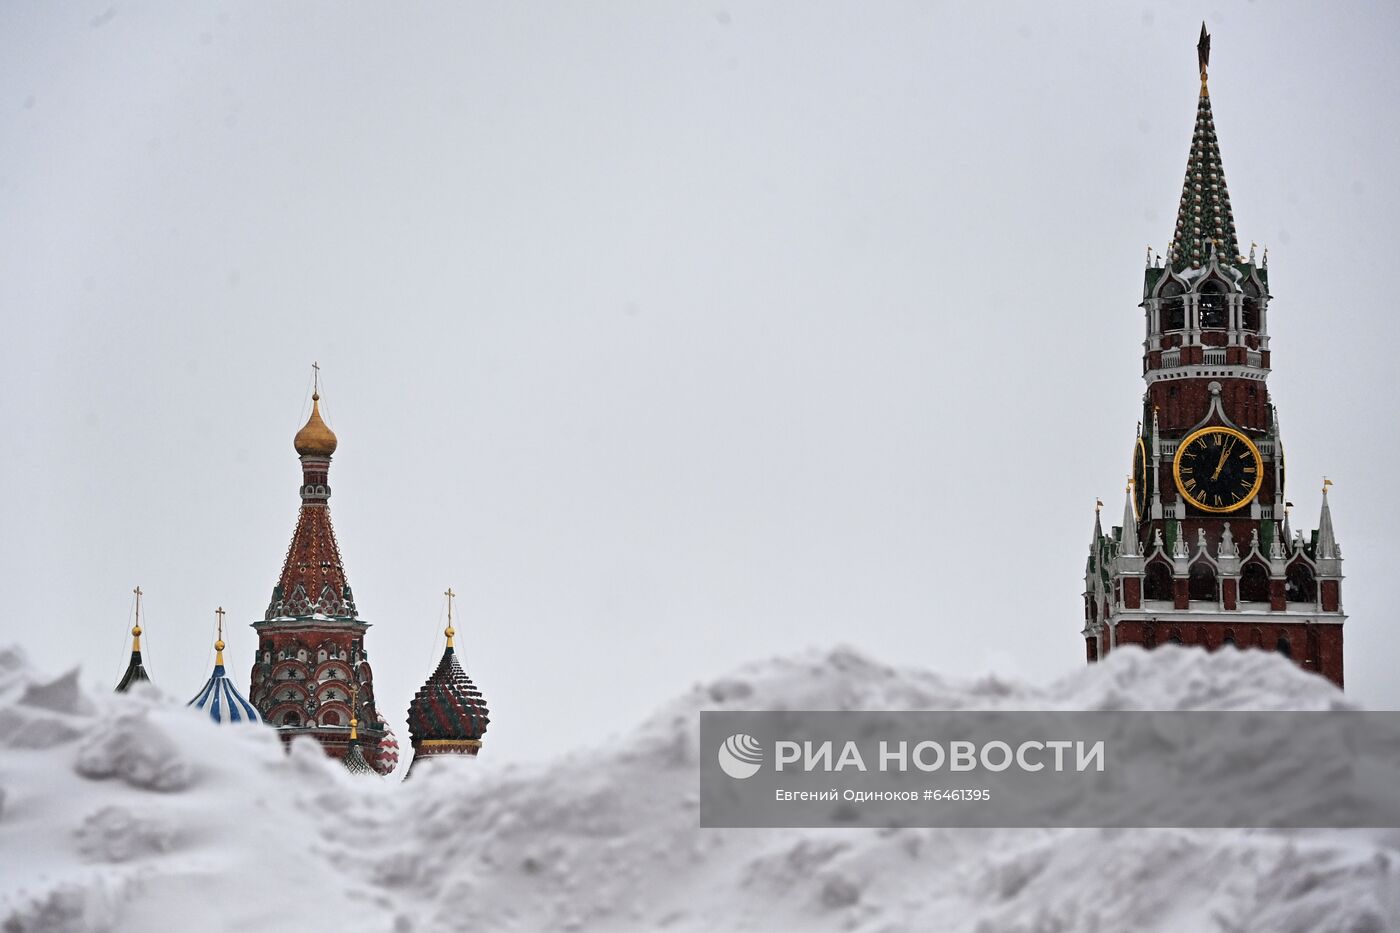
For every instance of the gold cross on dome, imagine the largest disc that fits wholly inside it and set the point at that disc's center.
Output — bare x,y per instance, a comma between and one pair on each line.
220,613
450,631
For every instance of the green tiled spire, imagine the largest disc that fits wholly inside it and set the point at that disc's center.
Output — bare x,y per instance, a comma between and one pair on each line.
1204,216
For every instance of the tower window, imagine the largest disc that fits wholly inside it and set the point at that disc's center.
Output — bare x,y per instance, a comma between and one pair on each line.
1158,584
1202,582
1251,306
1173,307
1254,584
1302,588
1284,647
1213,304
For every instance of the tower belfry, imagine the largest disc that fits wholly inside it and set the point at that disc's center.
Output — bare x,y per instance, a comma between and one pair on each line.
1206,554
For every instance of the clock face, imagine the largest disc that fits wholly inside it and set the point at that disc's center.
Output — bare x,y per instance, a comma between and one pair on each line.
1218,469
1140,478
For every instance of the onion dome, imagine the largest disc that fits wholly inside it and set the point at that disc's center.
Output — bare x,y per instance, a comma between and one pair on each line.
388,752
135,668
315,439
448,715
354,760
220,698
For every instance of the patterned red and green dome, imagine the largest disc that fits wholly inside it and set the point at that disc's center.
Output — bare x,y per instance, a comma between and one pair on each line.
448,713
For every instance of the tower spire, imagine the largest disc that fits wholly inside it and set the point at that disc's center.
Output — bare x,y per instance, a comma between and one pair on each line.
313,576
1203,56
1204,218
1129,547
1326,538
135,668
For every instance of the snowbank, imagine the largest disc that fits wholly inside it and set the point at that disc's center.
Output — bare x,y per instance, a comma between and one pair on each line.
132,814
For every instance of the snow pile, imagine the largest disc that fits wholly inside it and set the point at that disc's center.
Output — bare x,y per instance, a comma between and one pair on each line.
129,813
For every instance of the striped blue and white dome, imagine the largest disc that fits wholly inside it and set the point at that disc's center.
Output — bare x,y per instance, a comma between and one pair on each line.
221,699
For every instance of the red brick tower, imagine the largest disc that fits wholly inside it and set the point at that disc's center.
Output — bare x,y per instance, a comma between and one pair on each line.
311,662
1206,555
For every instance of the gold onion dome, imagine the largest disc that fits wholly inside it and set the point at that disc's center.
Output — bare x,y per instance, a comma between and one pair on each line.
315,439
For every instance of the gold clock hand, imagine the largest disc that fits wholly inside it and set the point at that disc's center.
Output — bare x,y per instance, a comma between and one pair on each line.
1224,452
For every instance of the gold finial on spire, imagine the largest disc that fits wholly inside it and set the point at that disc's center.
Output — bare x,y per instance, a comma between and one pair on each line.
1325,483
136,629
1203,57
1098,506
449,631
219,644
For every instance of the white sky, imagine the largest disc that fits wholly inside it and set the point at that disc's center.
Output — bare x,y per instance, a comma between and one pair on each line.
670,335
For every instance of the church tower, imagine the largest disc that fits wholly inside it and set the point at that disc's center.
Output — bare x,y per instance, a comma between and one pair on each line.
311,663
1206,554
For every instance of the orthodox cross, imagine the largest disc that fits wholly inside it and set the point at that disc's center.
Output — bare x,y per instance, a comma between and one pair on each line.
449,631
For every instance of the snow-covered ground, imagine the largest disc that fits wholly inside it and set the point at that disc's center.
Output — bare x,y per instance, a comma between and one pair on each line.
134,814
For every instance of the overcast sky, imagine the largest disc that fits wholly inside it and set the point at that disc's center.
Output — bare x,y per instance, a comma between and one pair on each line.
670,335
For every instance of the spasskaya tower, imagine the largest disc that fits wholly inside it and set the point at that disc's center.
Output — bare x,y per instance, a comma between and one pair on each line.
1206,554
